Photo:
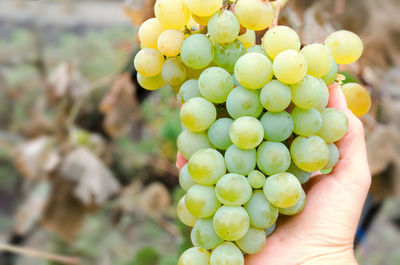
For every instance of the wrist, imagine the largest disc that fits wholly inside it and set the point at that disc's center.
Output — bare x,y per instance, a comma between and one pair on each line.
344,257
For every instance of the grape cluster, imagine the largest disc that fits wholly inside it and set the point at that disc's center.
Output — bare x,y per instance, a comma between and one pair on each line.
255,117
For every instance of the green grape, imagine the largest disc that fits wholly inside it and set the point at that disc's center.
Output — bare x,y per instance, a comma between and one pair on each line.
253,242
174,71
309,153
253,70
257,48
183,213
226,54
148,62
256,179
223,27
261,212
193,237
326,171
331,75
226,254
201,201
185,180
194,73
255,14
195,256
197,114
149,31
273,158
295,209
306,122
308,93
246,132
243,102
173,14
215,83
205,234
278,126
190,142
345,46
150,83
189,89
218,133
333,156
235,80
239,160
248,38
233,189
206,166
325,97
301,175
283,190
334,125
270,229
279,39
231,222
275,96
197,51
290,67
204,8
319,59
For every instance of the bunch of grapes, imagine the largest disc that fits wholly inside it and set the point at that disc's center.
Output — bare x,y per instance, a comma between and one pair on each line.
255,117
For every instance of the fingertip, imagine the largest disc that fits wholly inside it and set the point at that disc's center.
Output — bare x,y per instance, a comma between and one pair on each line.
180,161
336,98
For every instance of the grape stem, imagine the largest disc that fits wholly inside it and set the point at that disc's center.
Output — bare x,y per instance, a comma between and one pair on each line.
278,6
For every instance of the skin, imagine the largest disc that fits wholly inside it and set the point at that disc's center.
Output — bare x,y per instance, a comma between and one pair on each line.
324,231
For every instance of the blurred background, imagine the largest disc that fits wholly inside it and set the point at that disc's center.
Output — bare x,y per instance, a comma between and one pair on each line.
87,157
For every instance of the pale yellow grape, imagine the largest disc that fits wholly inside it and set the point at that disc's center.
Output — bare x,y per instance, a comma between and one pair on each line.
170,42
254,14
261,212
309,153
282,190
246,132
201,201
290,67
233,189
226,254
151,82
195,256
189,142
173,14
231,222
149,31
357,98
185,180
197,114
149,62
334,125
253,70
253,242
205,234
346,46
193,238
204,8
201,20
248,39
256,179
308,93
319,59
184,215
279,39
223,27
206,166
297,208
333,156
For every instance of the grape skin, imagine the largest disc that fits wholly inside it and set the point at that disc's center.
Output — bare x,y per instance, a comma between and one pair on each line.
345,46
189,89
195,256
150,83
333,156
197,114
301,175
215,83
248,38
173,14
334,125
243,102
149,62
273,158
233,189
218,133
308,93
201,201
183,213
309,153
275,96
240,161
357,98
197,51
283,190
246,132
254,14
231,222
190,142
297,208
174,71
253,70
261,212
278,126
205,234
256,179
306,122
290,67
204,8
185,180
253,242
226,55
223,27
206,166
279,39
149,31
226,254
319,59
170,41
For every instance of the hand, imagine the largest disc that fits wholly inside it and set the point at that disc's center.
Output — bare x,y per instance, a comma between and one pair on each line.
323,233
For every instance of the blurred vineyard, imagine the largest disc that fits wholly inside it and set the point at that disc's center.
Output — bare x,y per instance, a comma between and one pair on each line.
87,157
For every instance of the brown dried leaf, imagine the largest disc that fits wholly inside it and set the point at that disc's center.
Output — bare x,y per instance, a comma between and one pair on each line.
139,11
155,199
36,158
94,182
120,106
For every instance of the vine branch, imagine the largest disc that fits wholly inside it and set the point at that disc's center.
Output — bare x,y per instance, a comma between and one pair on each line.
278,6
41,255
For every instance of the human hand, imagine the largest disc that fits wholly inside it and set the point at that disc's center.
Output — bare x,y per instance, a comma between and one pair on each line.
323,233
